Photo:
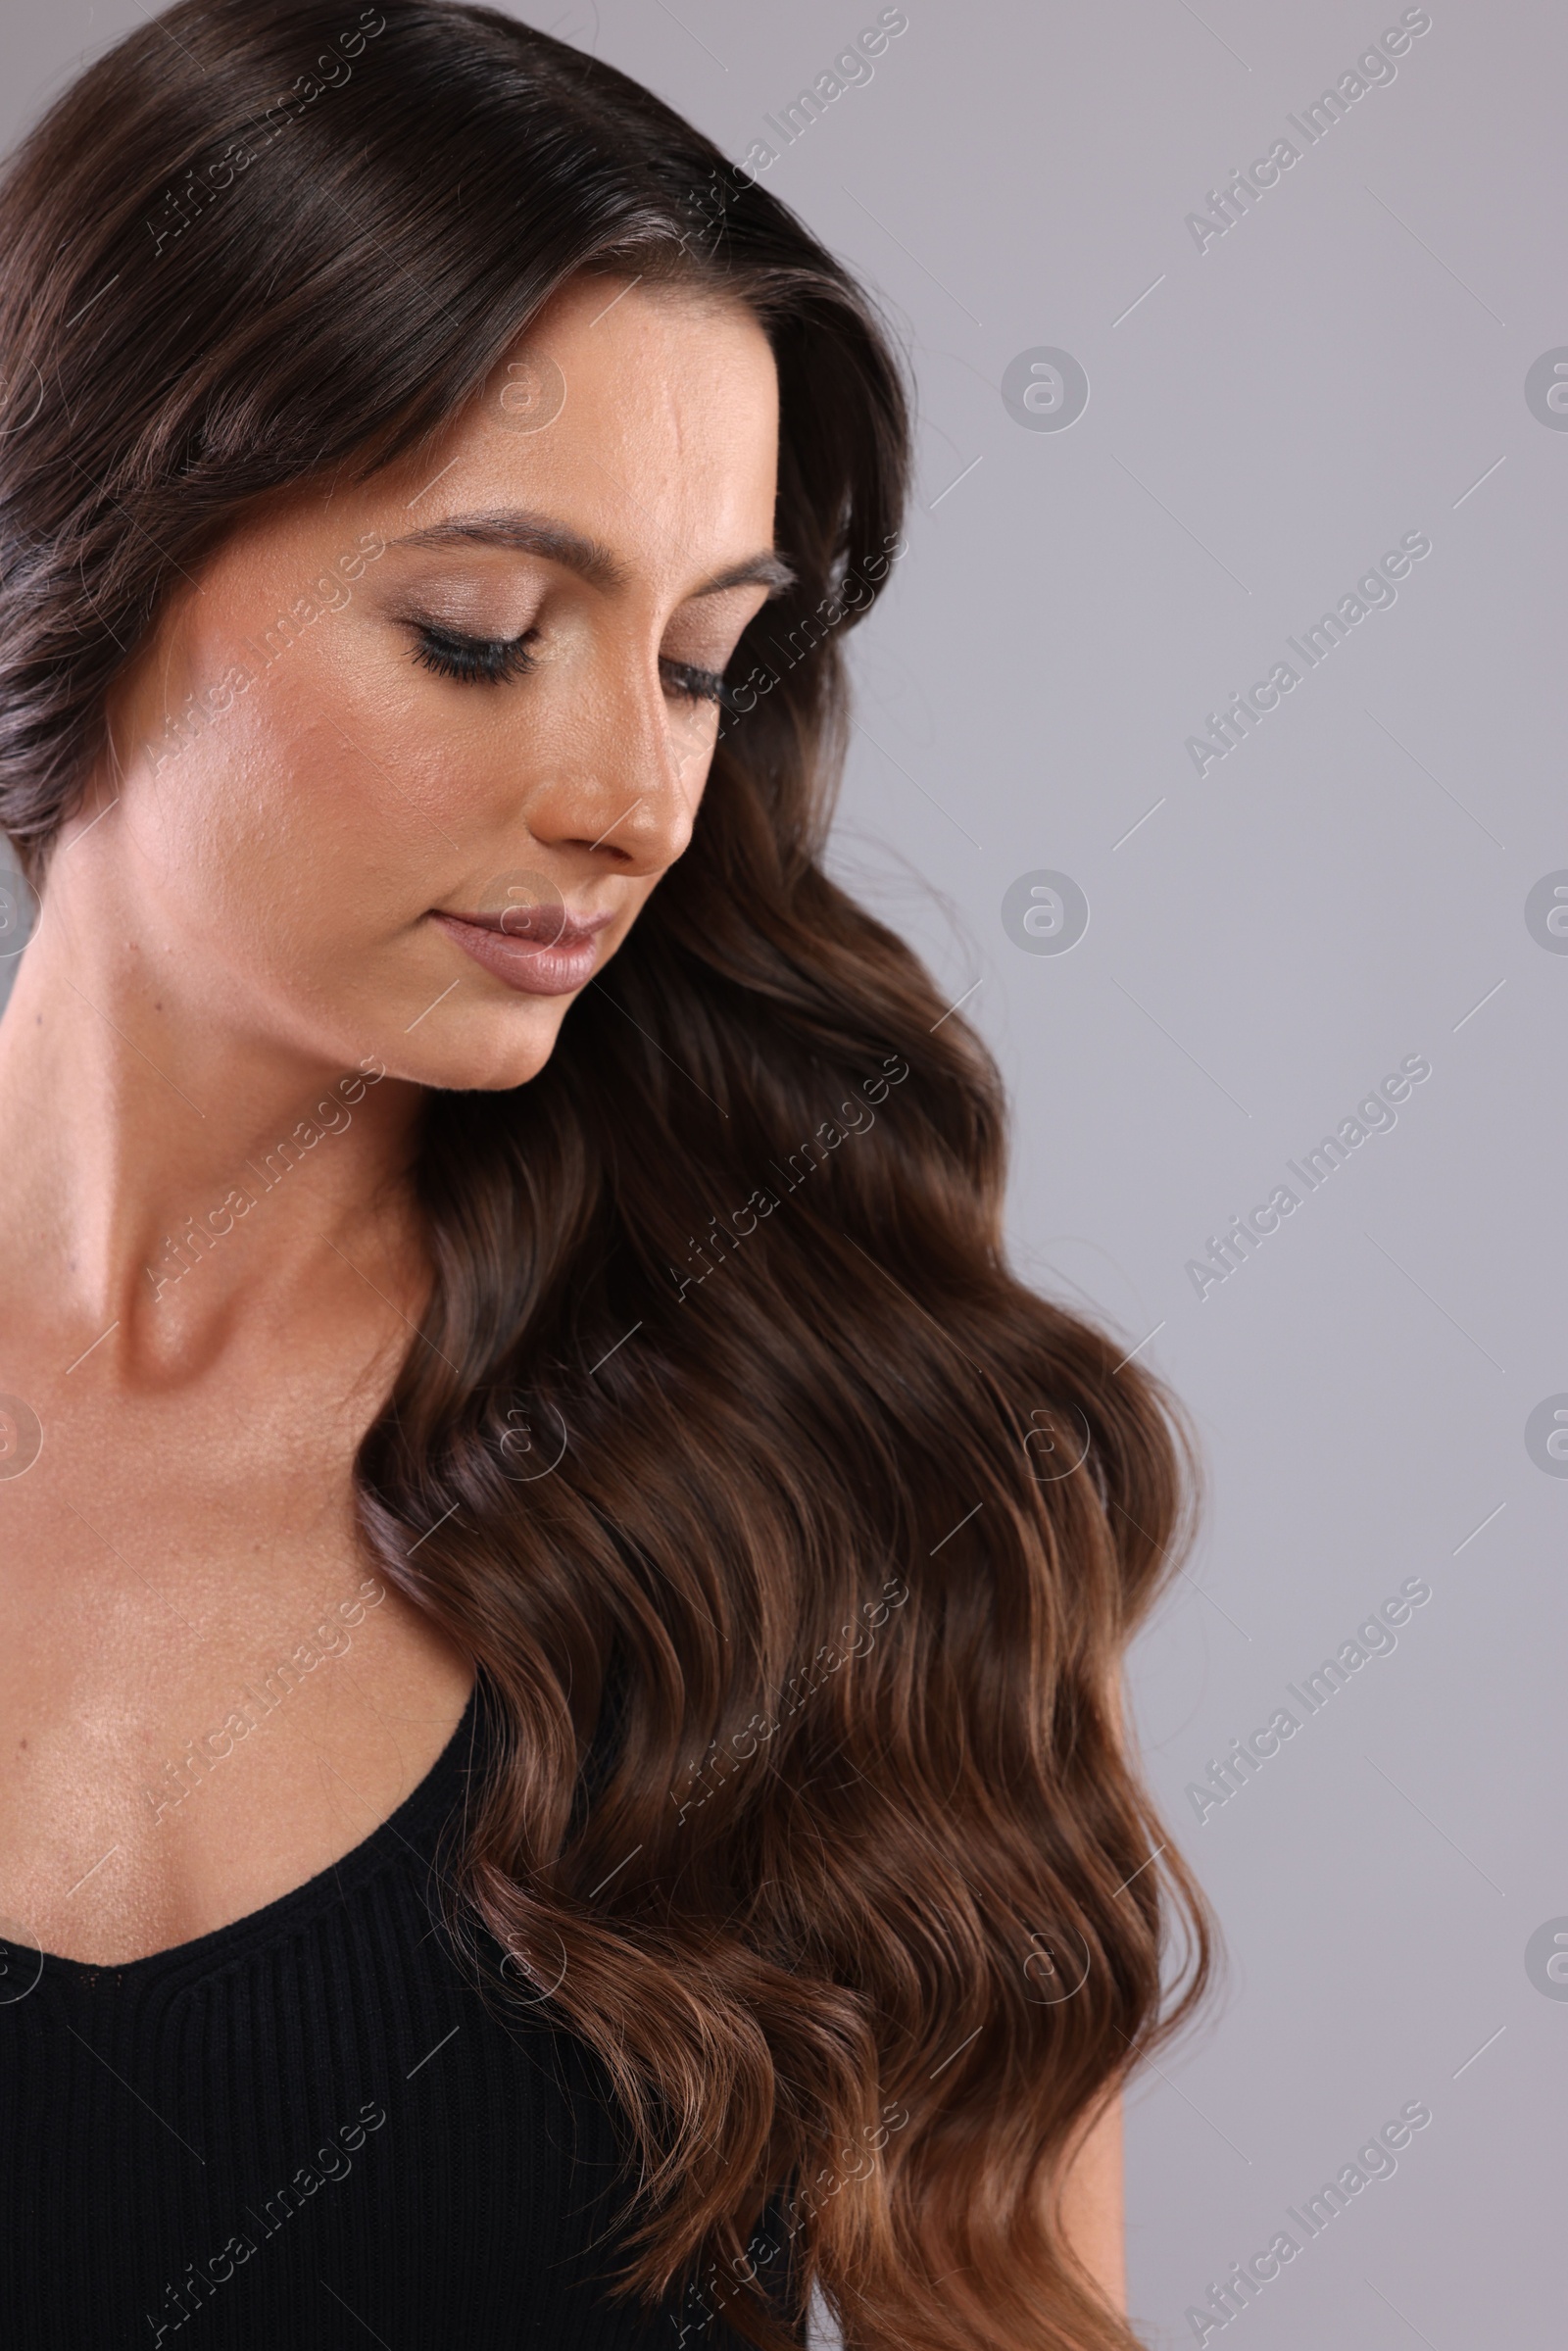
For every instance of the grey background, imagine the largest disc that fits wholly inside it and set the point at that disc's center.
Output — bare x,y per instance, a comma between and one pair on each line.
1342,890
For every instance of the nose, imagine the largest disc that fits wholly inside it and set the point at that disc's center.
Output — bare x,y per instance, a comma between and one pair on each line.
625,793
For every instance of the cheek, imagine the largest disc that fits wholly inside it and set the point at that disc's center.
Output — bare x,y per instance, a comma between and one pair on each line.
693,734
444,768
284,829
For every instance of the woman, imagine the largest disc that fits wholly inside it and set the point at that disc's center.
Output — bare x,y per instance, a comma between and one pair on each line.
561,1605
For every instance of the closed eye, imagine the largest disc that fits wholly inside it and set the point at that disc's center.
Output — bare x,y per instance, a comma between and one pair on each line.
691,684
485,660
493,660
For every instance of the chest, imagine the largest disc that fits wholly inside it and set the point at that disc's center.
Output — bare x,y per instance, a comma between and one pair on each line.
208,1694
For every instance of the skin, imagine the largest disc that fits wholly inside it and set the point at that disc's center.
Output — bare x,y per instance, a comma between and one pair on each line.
1092,2205
228,928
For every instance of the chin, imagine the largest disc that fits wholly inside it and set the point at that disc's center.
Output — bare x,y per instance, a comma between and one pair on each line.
485,1063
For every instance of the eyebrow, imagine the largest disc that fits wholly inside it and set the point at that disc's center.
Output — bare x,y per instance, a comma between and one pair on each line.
590,559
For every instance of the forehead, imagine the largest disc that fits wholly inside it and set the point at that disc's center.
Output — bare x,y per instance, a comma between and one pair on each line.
643,417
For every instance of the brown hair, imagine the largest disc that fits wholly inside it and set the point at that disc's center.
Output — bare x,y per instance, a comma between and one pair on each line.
738,1459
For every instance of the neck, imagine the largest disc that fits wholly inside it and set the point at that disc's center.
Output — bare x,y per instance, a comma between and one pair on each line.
171,1164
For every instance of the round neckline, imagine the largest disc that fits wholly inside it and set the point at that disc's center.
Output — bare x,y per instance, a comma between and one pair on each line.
411,1829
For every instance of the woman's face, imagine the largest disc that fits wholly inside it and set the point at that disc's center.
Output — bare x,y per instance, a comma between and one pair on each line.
451,726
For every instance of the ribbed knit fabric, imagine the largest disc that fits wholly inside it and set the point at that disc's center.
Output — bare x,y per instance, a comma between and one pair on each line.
309,2132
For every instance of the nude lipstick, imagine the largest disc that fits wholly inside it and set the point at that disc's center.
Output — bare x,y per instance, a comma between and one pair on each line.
539,951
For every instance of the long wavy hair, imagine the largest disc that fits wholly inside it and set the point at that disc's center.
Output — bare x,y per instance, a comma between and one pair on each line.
795,1540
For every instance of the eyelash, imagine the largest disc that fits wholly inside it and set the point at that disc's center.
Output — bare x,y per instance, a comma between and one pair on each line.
697,685
486,661
494,661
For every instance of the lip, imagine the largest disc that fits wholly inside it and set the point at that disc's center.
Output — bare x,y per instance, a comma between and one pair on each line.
539,951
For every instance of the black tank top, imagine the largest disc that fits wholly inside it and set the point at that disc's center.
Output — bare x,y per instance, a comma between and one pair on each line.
309,2132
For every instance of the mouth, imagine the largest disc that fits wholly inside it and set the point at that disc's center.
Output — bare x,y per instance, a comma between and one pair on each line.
539,951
